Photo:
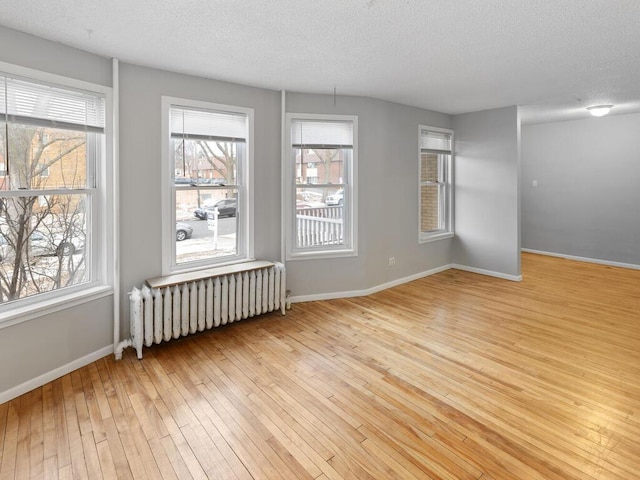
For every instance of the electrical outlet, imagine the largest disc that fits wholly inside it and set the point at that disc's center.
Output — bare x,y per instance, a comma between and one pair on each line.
392,261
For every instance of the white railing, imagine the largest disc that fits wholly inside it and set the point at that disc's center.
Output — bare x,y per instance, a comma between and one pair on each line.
317,226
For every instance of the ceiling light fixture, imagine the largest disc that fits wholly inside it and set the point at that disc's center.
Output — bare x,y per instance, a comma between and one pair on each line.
600,110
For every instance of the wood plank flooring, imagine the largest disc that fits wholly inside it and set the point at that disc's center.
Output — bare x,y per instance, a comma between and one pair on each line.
455,376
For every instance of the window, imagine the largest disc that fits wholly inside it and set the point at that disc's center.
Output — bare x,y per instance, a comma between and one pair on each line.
53,176
207,184
320,184
435,183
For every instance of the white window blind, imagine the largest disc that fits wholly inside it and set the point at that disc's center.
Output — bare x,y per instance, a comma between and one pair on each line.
321,134
435,141
207,125
22,101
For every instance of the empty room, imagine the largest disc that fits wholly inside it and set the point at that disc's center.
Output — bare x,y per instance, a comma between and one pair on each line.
356,239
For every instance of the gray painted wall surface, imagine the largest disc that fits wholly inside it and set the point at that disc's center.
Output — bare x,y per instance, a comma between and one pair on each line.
35,347
587,202
387,198
141,140
34,52
388,193
487,164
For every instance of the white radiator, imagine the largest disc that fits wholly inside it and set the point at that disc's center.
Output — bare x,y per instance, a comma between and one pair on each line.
179,308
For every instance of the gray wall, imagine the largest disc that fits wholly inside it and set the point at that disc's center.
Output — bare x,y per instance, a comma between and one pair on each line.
387,198
38,346
587,202
141,140
34,52
388,193
487,197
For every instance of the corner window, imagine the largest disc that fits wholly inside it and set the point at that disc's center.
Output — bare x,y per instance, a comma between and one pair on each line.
320,183
435,183
206,184
53,173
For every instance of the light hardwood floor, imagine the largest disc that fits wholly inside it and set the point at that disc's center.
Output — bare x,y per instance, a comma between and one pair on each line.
456,376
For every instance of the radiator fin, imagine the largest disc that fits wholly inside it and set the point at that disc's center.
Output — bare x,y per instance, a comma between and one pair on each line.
160,314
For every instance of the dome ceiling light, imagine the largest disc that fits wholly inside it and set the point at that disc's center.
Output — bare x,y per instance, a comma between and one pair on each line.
599,110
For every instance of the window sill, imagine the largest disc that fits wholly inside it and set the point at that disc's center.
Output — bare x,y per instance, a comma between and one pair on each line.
435,237
197,275
25,313
206,265
318,255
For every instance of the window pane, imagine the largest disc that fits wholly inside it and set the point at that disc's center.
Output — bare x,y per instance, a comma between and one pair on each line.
320,165
46,158
431,215
198,235
43,244
206,162
433,167
429,167
319,224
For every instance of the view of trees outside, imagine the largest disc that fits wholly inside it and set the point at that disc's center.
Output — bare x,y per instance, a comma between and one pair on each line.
204,161
322,167
42,221
206,171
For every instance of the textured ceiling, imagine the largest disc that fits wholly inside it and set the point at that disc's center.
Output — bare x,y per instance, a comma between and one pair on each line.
555,57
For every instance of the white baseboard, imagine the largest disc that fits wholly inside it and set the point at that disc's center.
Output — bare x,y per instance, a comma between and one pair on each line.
53,374
368,291
632,266
481,271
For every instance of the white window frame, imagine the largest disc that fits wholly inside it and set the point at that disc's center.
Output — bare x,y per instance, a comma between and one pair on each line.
350,215
99,225
245,233
448,230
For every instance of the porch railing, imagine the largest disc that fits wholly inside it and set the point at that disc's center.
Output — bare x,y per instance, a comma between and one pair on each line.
317,226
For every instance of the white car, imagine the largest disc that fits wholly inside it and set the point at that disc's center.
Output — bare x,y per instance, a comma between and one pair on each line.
336,199
41,245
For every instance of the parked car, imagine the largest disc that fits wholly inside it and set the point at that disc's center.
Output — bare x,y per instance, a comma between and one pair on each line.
183,231
194,182
336,199
45,245
182,181
226,208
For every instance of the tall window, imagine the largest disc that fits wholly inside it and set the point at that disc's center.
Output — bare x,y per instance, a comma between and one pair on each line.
321,172
52,188
207,178
435,183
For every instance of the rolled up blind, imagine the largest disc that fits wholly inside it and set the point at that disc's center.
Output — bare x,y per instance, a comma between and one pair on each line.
28,102
207,125
435,141
321,134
